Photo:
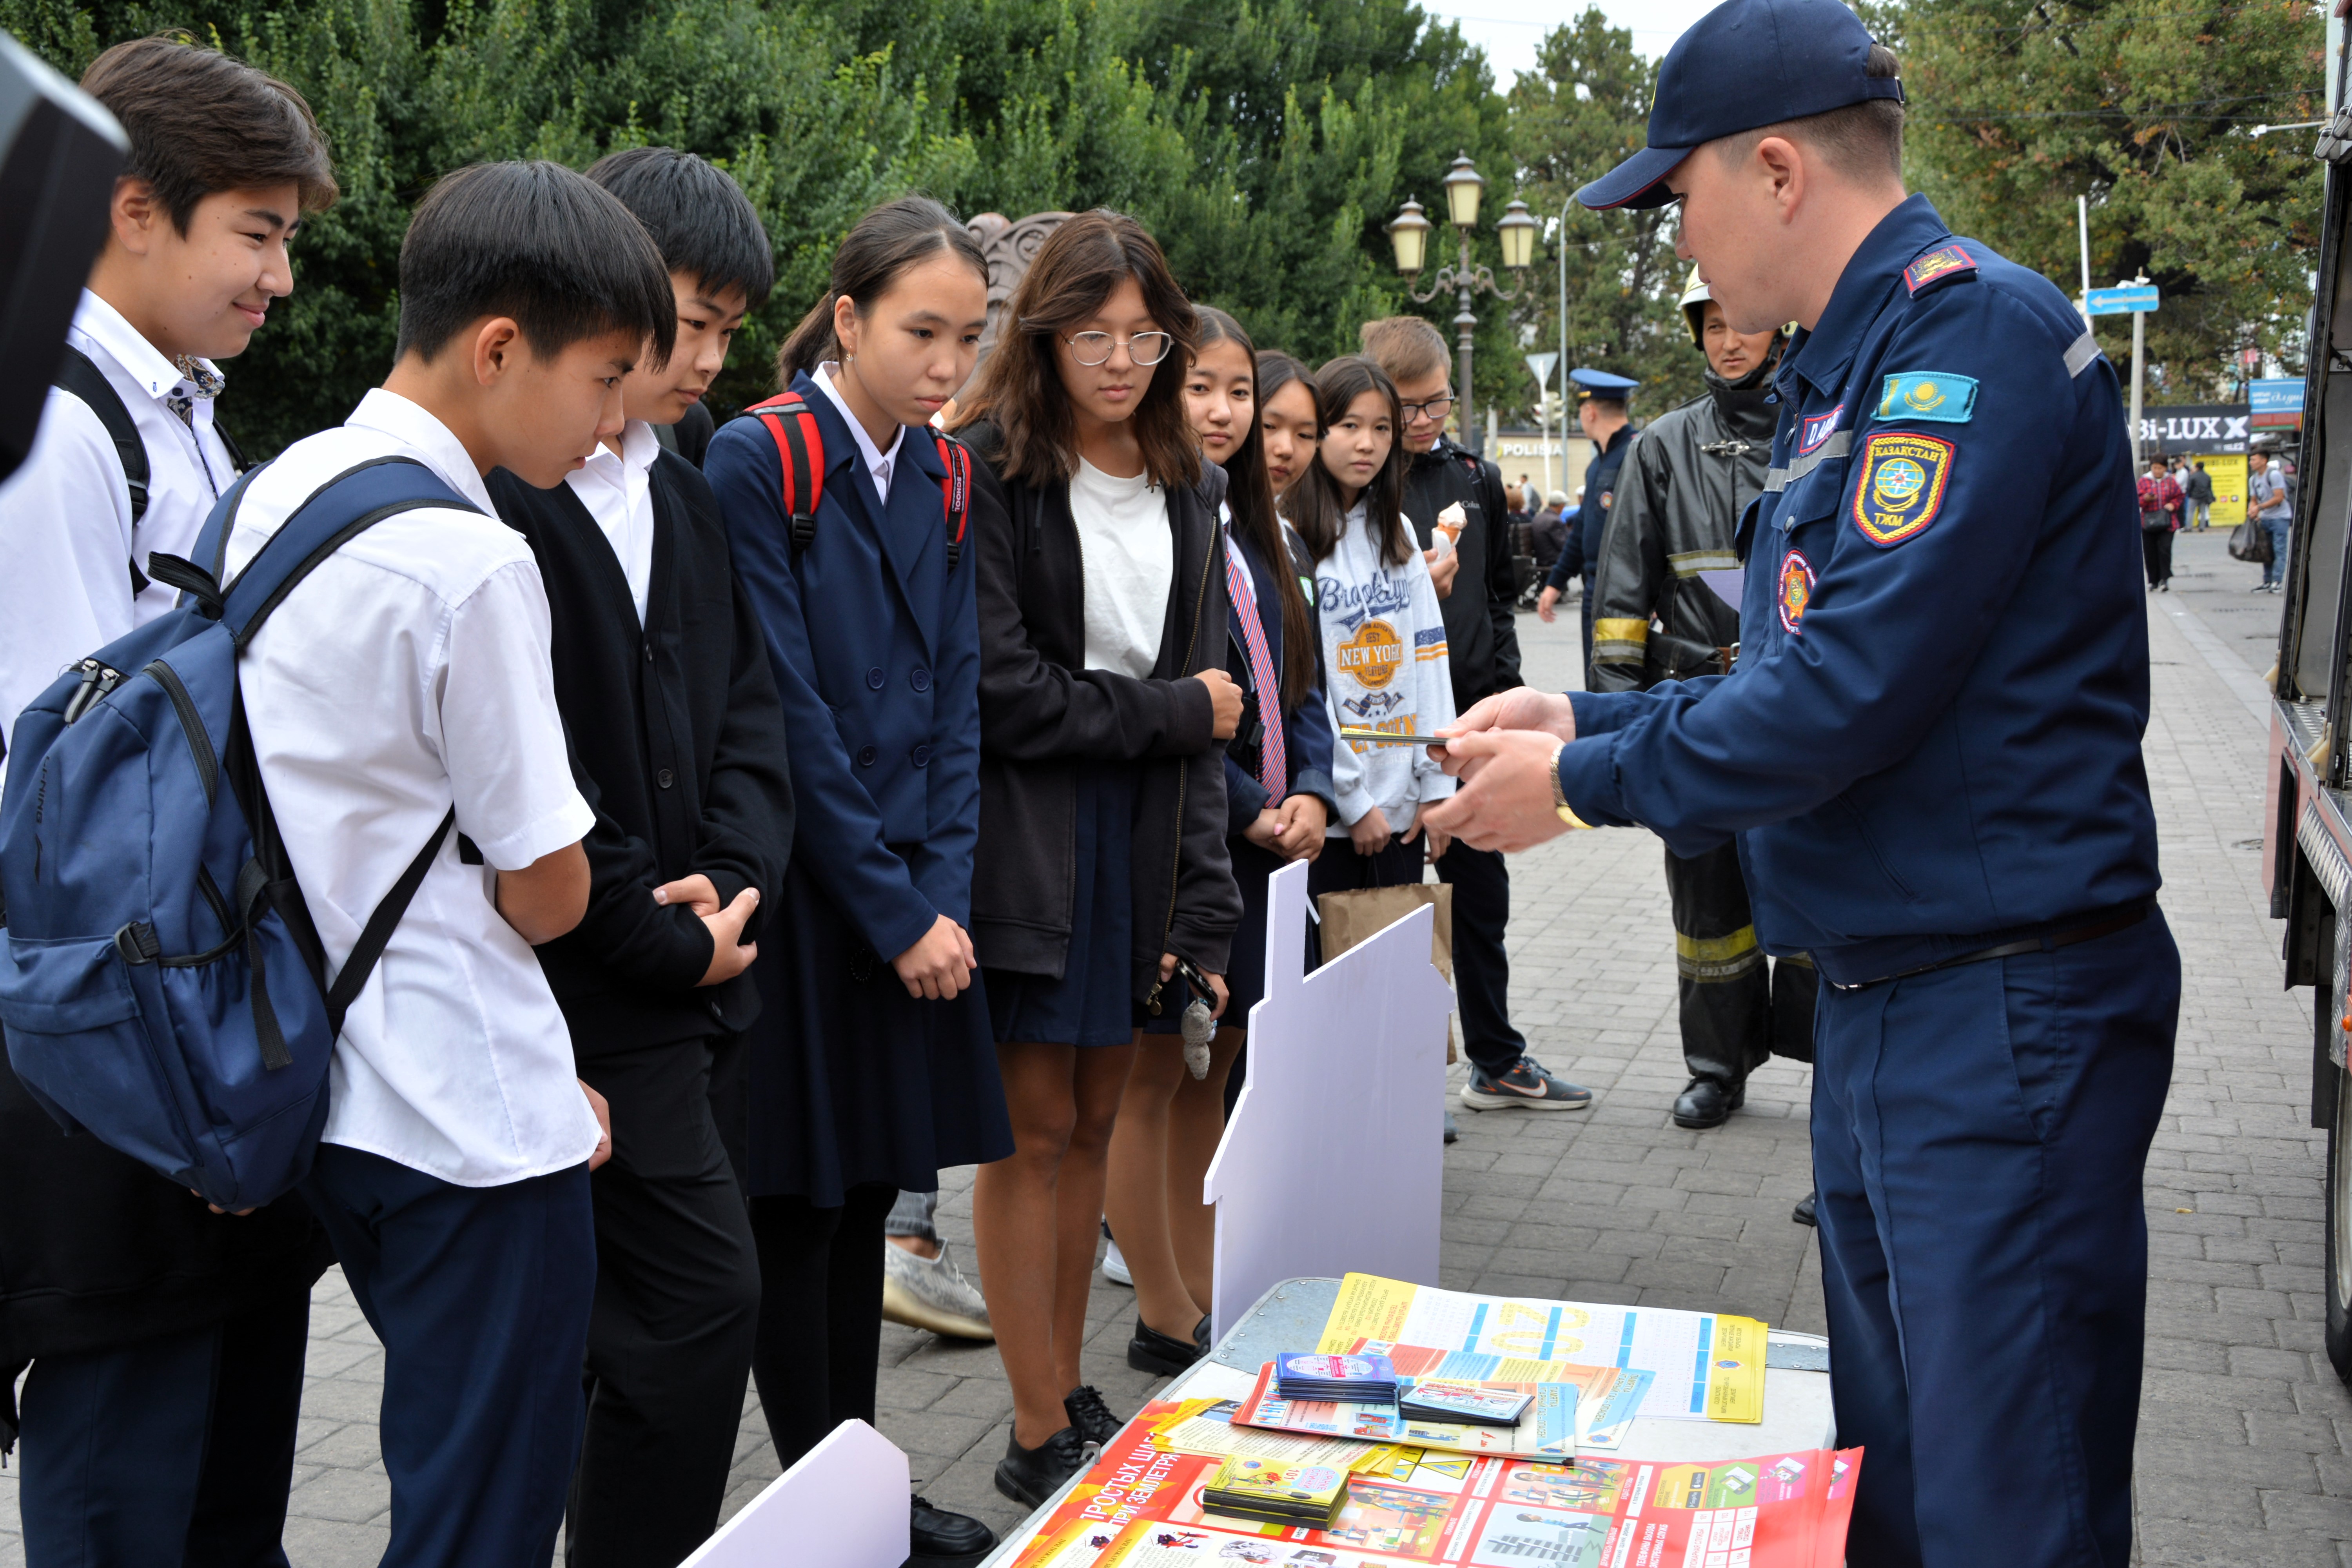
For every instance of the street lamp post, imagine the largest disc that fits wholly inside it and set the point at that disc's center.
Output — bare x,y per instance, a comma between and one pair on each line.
1409,233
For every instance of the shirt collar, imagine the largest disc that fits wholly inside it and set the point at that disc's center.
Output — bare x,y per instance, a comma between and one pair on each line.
408,423
1821,355
639,447
875,458
142,360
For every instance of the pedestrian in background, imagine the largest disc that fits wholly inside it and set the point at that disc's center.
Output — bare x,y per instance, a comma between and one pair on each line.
2268,504
1550,531
1104,704
2197,490
2159,514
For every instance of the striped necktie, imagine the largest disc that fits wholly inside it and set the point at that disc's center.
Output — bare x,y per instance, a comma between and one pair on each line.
1273,763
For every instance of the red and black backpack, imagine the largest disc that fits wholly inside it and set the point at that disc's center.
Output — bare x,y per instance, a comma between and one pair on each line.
800,446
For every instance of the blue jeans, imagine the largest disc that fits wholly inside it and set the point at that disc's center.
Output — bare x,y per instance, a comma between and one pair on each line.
2276,525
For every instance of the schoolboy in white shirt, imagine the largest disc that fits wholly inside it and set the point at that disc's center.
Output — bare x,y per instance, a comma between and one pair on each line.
407,674
166,1342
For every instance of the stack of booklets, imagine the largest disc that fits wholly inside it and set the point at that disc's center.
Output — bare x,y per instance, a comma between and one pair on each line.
1478,1404
1355,1379
1278,1492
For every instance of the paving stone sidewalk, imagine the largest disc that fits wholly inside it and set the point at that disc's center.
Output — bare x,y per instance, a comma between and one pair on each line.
2244,1427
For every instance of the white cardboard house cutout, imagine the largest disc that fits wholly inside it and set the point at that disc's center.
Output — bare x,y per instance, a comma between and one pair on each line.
1333,1159
843,1506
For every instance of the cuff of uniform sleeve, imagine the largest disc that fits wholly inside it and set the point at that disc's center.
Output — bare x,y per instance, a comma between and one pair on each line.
519,850
1588,780
1317,783
1601,712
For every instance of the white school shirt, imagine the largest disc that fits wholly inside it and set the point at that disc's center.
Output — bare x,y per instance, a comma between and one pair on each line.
65,535
617,489
410,670
878,463
1130,562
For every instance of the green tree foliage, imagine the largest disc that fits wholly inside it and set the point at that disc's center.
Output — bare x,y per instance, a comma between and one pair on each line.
2019,106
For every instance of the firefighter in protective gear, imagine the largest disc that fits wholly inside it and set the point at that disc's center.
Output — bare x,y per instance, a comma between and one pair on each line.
1656,617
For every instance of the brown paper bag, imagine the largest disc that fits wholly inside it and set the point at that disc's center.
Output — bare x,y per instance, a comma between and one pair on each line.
1359,915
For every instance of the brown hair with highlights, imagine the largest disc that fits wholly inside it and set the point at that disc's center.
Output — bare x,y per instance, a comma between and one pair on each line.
201,122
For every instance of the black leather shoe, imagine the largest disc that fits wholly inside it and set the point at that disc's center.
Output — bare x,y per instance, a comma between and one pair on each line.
937,1539
1803,1213
1033,1475
1085,1407
1151,1351
1706,1103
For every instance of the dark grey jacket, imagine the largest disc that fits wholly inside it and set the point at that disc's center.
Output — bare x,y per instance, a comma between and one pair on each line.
1043,714
1677,506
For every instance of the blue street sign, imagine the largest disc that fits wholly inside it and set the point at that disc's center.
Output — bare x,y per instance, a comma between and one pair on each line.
2122,302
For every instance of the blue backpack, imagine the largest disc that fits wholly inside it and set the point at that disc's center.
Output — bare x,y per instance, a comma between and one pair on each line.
161,985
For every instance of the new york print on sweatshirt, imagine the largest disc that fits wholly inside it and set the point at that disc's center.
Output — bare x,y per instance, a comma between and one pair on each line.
1384,647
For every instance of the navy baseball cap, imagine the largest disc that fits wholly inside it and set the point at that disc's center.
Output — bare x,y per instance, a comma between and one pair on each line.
1746,64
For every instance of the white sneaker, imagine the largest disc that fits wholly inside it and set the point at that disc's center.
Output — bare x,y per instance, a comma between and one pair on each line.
932,1293
1114,1267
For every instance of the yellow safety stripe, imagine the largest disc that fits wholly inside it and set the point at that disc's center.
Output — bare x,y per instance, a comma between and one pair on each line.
1691,562
1717,958
1629,629
1801,960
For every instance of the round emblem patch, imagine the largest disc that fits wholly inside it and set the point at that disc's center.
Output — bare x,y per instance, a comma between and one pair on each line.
1373,655
1896,482
1796,591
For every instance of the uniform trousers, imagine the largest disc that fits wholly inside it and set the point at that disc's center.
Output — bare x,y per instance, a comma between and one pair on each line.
820,1313
174,1451
1482,965
677,1310
481,1297
1738,1006
1979,1134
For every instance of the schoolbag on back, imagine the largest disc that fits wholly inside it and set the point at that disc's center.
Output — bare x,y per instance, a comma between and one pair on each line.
800,449
161,983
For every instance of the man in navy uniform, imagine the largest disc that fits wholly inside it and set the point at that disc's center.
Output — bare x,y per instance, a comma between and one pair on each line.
1601,411
1930,754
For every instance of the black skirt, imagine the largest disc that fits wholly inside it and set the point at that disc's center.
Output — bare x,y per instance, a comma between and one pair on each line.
853,1080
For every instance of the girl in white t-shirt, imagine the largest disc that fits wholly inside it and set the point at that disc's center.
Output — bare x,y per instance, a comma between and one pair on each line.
1383,640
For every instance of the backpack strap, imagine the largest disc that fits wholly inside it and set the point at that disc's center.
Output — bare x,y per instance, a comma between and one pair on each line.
339,511
955,491
799,447
79,374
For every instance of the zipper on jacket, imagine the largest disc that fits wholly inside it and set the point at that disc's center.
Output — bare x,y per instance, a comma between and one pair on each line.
192,725
1184,768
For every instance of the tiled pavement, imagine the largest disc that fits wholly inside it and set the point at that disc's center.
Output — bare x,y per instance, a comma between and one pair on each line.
2243,1456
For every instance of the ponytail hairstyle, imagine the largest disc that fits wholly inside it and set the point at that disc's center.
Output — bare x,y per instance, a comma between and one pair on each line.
1249,496
1019,387
1313,503
885,242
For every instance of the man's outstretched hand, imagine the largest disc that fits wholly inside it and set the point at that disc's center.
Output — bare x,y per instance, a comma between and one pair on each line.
1506,799
1521,708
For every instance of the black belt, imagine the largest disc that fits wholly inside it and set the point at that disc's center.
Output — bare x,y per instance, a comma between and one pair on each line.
2048,941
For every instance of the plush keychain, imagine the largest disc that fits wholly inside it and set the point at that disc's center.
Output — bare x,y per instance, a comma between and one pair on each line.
1199,1022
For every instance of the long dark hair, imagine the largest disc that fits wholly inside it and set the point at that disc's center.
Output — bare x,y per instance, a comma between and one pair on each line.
1277,370
1249,496
1313,502
1020,390
886,241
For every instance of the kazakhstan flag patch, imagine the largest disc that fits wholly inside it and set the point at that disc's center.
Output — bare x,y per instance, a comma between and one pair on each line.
1928,394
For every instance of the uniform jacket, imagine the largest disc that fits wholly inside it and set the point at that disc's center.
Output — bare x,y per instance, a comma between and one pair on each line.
1306,734
1482,639
1934,729
1582,554
881,699
679,742
1043,715
1679,498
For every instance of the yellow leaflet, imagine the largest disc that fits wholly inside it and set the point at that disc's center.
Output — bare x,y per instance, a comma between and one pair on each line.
1735,1374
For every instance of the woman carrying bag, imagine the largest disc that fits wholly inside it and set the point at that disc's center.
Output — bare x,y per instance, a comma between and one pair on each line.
1104,703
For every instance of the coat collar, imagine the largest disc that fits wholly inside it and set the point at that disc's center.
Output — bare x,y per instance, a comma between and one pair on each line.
911,514
1820,357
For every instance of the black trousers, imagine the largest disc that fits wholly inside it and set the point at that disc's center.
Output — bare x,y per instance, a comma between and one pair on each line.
1481,881
171,1450
1738,1005
676,1315
820,1313
2156,548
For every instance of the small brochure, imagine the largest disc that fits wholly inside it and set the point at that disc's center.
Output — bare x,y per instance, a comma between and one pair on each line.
1481,1403
1546,1429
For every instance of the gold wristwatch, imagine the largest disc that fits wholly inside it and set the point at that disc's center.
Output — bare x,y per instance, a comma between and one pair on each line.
1560,796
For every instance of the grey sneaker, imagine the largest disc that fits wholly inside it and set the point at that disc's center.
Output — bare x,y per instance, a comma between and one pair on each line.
933,1293
1526,1086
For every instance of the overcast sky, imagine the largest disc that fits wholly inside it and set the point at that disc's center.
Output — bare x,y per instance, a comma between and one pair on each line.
1508,30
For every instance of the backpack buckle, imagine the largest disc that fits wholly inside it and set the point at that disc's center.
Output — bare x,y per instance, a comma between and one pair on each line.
138,943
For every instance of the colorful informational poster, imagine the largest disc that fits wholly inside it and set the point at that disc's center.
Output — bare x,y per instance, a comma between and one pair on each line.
1707,1365
1141,1507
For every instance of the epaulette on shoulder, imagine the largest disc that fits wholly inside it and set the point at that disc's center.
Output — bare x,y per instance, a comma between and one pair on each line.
1945,264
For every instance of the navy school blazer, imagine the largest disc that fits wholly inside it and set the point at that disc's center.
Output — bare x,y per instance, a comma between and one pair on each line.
1306,734
875,646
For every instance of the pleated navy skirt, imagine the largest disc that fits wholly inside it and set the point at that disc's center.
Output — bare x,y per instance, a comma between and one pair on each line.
853,1080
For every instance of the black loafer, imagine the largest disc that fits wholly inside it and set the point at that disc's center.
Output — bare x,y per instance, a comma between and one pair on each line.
1706,1103
1803,1213
937,1539
1033,1475
1092,1418
1151,1351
